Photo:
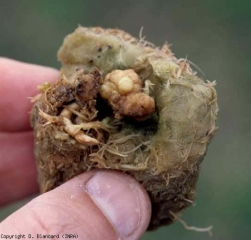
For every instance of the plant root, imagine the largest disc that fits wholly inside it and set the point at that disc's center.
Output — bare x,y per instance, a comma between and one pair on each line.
73,130
192,228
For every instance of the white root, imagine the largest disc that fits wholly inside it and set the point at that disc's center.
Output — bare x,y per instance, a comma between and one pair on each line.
148,87
73,130
192,228
35,98
85,139
68,110
133,168
49,118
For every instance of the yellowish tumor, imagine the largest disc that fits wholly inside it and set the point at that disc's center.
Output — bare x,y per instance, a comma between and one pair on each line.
125,85
123,89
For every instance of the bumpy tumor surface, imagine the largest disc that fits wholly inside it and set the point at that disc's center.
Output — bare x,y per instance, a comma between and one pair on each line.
123,104
123,89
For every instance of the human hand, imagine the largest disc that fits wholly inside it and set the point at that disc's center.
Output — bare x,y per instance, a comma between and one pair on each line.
94,205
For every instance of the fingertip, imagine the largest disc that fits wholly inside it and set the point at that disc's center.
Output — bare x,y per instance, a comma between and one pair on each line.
19,81
7,63
95,205
18,178
122,200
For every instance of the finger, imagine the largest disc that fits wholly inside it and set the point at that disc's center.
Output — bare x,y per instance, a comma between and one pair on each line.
17,167
18,81
95,205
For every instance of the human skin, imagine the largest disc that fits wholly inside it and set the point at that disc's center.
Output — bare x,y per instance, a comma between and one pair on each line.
94,205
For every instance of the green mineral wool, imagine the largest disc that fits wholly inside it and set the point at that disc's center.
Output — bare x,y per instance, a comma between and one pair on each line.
122,103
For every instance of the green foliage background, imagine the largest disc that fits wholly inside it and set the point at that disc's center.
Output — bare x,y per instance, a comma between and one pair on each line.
214,34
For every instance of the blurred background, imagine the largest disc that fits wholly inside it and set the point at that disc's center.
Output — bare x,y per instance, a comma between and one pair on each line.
213,34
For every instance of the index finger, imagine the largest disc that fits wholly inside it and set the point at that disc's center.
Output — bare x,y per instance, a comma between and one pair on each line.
18,81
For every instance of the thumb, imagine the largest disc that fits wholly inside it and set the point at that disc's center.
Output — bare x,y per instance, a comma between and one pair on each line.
94,205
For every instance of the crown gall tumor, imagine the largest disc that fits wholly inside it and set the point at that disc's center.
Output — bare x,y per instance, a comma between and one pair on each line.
123,89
